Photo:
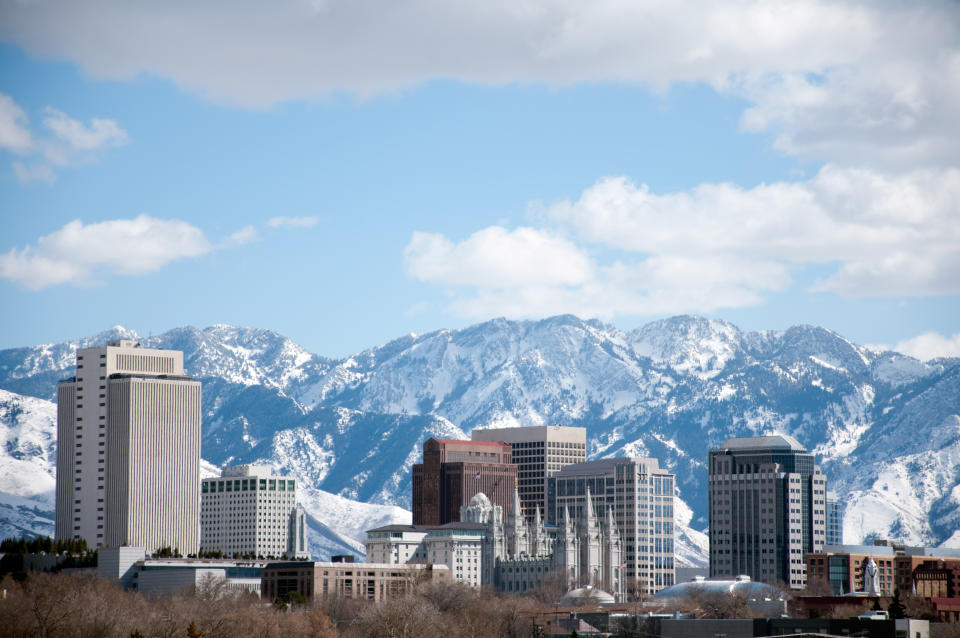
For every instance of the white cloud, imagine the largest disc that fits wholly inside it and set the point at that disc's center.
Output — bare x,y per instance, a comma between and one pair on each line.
34,172
242,236
76,253
849,81
496,257
97,134
716,246
72,143
14,132
930,345
292,222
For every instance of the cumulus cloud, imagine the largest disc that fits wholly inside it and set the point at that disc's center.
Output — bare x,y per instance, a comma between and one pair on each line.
99,133
496,257
715,246
930,345
841,81
71,141
78,252
14,131
292,222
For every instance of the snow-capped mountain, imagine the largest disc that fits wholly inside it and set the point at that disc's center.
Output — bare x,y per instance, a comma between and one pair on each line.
885,426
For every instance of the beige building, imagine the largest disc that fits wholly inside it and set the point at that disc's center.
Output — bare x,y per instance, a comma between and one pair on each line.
128,450
366,581
539,452
248,510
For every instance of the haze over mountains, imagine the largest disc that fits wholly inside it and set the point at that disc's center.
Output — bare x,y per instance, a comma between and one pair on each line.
885,427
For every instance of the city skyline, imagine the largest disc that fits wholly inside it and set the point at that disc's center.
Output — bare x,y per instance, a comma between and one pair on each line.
768,166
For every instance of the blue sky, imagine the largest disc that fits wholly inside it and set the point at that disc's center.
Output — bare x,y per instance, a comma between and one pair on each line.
344,173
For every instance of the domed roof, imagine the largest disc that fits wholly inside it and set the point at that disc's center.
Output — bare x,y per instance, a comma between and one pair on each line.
479,500
588,595
741,586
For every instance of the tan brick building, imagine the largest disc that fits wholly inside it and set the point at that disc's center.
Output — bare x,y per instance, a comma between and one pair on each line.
365,581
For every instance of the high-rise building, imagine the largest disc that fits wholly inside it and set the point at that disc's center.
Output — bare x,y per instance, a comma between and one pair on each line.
453,471
250,511
834,521
767,509
128,450
640,497
539,452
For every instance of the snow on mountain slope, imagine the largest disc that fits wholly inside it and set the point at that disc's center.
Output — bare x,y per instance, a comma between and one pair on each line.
671,389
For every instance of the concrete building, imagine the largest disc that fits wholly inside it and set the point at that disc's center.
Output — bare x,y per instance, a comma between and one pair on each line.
453,471
128,450
539,452
251,511
640,498
366,581
133,569
457,545
767,502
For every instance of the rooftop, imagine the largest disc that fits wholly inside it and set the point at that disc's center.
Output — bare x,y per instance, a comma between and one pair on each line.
776,442
467,442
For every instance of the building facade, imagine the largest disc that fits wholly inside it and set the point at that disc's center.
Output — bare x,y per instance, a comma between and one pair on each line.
365,581
539,452
517,554
249,511
453,471
767,505
128,450
834,521
456,545
640,498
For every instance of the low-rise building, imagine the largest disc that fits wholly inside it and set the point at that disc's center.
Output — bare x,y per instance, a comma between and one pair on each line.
457,545
846,568
366,581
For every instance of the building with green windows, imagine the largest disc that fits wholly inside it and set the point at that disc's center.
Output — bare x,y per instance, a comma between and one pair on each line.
248,511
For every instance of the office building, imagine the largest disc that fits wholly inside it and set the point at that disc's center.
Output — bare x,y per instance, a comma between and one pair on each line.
128,450
640,498
249,511
453,471
539,452
456,545
364,581
767,502
834,521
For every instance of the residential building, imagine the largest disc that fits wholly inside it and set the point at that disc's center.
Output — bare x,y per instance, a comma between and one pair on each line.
639,495
249,511
128,450
366,581
834,521
767,502
539,452
453,471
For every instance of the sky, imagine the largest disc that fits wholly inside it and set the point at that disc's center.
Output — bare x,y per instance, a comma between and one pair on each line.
348,171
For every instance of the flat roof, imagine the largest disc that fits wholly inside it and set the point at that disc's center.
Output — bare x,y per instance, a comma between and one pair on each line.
469,442
778,441
604,466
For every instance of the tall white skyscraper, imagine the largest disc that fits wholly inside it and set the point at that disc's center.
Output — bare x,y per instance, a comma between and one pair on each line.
249,510
128,450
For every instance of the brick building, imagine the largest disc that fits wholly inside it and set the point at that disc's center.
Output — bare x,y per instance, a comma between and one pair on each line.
453,471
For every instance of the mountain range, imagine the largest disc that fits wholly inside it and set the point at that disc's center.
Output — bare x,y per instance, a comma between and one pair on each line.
884,426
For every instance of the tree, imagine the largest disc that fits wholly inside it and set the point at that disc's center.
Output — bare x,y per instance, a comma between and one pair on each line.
192,630
896,608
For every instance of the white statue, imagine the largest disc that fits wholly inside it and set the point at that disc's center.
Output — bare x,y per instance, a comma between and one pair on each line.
871,577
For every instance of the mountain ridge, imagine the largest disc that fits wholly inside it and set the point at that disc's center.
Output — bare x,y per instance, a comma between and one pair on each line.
669,389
